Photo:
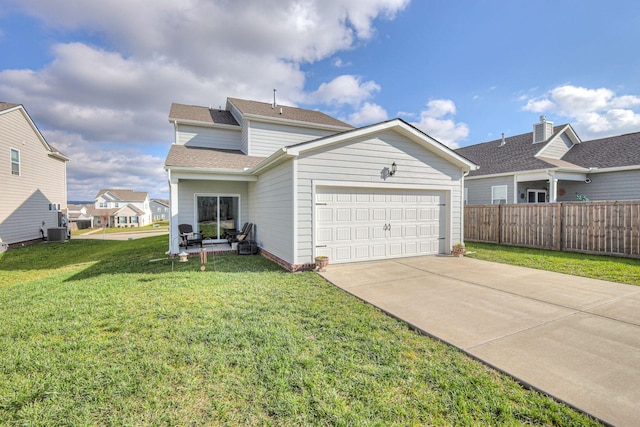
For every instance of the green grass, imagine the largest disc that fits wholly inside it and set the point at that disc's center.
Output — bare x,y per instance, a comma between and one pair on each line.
623,270
93,333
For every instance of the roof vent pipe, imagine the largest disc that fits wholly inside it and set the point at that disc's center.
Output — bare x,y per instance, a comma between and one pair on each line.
274,105
503,142
280,110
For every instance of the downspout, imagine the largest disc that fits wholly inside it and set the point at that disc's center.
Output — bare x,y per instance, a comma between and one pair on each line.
464,175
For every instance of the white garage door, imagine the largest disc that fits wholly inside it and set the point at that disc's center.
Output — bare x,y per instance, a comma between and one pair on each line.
356,224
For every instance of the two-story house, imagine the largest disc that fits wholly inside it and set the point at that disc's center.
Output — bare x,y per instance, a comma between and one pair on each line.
121,208
159,209
312,184
33,178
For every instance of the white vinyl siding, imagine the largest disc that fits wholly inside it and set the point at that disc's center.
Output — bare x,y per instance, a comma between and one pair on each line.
42,181
271,206
363,162
267,138
196,136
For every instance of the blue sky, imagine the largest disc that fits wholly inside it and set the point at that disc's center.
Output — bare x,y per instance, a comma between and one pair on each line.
98,78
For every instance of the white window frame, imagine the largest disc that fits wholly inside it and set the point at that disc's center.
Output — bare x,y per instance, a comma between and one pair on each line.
499,200
13,162
537,192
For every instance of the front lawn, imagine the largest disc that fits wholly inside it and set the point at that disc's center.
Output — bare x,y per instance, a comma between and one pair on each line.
98,332
623,270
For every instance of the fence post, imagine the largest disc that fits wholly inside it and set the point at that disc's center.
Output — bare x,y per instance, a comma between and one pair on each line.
559,227
499,221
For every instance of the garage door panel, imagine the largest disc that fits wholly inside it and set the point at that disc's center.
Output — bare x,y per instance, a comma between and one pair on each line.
362,214
362,233
343,214
343,234
324,235
357,224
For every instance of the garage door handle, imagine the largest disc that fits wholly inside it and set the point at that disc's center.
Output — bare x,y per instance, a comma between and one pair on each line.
321,246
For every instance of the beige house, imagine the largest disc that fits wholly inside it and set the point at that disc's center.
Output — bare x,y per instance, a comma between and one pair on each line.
33,178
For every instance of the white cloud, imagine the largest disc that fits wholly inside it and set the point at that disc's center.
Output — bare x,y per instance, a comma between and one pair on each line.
437,122
368,113
145,54
345,89
594,113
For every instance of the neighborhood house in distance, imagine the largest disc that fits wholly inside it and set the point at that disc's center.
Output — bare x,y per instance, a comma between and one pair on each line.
33,179
313,185
118,208
552,164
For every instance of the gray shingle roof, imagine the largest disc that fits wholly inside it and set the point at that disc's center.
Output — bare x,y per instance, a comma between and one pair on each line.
7,105
518,154
614,151
264,109
124,195
199,157
201,114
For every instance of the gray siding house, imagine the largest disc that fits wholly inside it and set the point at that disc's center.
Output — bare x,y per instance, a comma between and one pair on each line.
313,185
33,178
552,164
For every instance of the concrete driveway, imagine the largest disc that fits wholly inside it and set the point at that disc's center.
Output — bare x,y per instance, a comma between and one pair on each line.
574,338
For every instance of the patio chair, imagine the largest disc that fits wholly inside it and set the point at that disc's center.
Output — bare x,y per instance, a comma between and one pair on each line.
243,235
230,232
188,236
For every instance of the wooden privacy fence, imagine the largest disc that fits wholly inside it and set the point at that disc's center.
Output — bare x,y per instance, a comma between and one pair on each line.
606,228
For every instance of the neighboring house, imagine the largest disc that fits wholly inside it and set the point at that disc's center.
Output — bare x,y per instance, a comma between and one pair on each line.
313,185
552,164
121,208
79,217
33,178
159,209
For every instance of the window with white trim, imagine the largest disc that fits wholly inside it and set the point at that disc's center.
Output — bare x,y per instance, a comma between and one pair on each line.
536,196
498,194
15,162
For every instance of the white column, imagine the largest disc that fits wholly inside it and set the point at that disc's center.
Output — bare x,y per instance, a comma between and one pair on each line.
174,234
553,188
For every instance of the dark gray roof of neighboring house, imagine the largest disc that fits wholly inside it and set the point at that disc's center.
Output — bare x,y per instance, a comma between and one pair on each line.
201,114
614,151
518,154
124,195
266,109
198,157
7,105
161,201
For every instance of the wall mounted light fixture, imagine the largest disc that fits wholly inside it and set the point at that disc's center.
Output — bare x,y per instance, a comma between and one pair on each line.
393,169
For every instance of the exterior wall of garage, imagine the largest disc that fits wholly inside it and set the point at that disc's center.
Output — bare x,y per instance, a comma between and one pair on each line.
271,206
363,162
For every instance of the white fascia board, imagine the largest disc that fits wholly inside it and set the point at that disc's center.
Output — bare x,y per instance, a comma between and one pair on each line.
210,174
275,159
35,128
398,126
298,123
614,169
204,124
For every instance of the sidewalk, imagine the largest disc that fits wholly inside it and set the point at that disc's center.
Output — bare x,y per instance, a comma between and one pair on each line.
574,338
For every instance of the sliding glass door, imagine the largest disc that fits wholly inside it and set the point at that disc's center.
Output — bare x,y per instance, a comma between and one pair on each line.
215,213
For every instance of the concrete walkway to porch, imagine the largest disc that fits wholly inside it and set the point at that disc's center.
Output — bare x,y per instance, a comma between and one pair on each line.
574,338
